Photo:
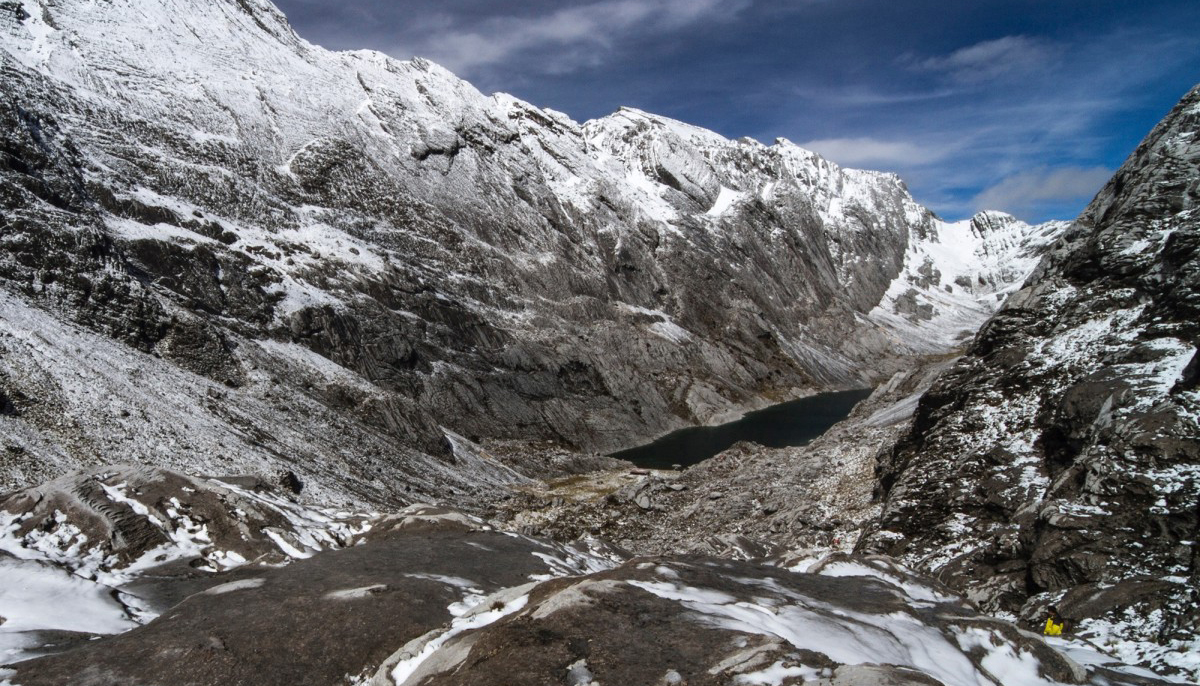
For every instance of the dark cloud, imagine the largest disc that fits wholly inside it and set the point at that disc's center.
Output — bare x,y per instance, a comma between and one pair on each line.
959,98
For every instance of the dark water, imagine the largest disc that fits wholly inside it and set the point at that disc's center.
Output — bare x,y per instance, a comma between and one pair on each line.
779,426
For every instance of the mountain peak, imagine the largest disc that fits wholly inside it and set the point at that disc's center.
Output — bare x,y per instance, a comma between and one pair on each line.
991,221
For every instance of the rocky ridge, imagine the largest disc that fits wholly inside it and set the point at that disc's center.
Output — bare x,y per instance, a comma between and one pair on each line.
1057,461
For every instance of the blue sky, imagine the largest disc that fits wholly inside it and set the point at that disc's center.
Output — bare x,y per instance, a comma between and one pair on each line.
1025,106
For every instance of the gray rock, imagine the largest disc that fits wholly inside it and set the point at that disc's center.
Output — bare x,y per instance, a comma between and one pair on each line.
1051,464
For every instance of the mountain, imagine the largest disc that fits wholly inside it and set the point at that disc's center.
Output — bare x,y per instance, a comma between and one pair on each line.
1057,461
262,256
226,251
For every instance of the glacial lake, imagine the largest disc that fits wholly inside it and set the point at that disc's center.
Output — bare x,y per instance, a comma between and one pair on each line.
787,424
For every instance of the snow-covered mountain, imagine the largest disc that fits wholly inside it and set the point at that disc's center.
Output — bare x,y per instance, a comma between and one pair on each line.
952,282
224,250
262,255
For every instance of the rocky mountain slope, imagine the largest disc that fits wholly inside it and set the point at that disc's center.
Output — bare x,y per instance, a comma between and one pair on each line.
226,251
261,255
1059,460
429,595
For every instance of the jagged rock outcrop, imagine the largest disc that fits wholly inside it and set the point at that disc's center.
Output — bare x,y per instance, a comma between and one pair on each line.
370,265
1057,461
101,523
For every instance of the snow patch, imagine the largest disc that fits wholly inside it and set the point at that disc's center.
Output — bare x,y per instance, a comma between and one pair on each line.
356,593
466,621
725,201
240,585
35,596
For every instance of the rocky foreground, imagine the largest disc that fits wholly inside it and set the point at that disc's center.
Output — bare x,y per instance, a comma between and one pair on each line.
180,580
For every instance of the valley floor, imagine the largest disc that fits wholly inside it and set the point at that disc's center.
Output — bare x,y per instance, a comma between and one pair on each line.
749,501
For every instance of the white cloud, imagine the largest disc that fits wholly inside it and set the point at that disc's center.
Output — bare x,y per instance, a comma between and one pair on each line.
1026,191
579,34
990,59
864,96
872,151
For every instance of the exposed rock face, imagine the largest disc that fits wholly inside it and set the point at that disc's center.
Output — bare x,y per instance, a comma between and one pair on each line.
1058,461
80,398
431,596
339,264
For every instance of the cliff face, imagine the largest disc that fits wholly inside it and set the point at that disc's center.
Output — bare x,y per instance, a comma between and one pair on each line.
1059,460
258,254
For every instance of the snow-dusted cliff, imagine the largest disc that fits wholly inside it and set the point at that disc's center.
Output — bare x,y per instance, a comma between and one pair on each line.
1058,460
954,279
260,254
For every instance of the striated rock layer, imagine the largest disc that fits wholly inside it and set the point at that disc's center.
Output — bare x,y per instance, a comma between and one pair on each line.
1059,460
262,255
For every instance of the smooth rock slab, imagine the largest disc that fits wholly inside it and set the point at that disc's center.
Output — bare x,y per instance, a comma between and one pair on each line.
312,622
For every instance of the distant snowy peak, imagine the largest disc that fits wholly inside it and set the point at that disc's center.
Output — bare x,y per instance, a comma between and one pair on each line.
954,275
958,275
